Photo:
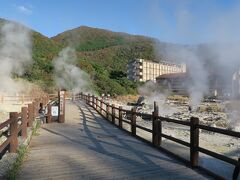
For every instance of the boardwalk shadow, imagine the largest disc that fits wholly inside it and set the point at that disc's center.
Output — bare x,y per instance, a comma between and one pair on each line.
121,143
89,147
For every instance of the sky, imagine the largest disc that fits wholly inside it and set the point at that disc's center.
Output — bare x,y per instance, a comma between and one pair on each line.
176,21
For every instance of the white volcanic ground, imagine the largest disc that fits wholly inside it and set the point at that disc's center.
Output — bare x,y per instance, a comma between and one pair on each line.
215,142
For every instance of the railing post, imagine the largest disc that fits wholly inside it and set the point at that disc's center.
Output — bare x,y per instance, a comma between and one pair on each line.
156,127
97,103
120,117
93,101
101,106
34,109
113,113
24,122
194,141
88,99
153,129
49,114
159,131
61,106
37,102
14,132
133,121
30,115
107,111
236,170
36,106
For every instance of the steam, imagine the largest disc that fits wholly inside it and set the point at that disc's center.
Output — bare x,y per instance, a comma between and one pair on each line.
218,56
151,93
67,75
15,55
197,84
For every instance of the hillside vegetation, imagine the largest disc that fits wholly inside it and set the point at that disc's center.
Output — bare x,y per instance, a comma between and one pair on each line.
105,54
41,71
101,53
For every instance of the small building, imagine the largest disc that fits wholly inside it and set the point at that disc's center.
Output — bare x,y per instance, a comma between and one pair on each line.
143,70
175,82
180,82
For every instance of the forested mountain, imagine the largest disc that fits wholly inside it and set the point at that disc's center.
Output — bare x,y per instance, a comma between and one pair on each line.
103,54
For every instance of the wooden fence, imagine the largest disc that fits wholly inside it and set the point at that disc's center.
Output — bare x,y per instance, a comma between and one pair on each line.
17,125
109,112
16,99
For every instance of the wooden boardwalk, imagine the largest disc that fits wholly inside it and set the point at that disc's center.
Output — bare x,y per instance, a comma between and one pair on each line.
89,147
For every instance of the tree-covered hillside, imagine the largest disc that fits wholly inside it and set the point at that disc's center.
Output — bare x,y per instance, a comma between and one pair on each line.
44,50
105,54
101,53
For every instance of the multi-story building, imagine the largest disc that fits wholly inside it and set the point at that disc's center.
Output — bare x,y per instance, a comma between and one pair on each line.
143,70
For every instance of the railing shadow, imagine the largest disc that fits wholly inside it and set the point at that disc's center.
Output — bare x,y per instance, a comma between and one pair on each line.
121,142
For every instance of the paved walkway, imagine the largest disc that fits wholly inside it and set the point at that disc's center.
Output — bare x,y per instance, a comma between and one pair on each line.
88,147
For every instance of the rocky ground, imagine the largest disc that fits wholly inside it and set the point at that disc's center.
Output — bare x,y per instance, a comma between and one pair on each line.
210,114
207,116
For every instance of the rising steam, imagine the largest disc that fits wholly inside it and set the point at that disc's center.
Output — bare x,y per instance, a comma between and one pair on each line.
219,55
197,84
15,54
67,75
151,93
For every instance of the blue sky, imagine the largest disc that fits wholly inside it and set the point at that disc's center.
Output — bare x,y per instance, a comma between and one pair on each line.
177,21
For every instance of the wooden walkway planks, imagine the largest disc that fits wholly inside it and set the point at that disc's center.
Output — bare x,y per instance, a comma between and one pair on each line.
88,147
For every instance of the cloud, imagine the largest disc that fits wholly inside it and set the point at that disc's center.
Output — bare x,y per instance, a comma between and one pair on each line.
24,9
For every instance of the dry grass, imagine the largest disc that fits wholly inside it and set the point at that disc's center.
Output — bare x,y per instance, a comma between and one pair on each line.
127,98
178,98
212,107
34,91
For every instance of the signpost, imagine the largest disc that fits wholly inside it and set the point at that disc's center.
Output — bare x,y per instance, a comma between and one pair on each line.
54,110
61,108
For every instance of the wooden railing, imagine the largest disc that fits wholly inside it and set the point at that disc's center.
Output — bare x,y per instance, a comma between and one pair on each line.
109,112
17,124
16,99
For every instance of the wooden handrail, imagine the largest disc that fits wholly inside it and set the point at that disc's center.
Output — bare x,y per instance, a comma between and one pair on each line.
5,123
156,131
220,131
26,118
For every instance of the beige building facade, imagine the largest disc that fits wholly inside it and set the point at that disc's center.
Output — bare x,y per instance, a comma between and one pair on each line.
143,70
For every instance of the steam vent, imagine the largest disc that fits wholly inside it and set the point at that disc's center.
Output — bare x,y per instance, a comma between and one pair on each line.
143,70
236,84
